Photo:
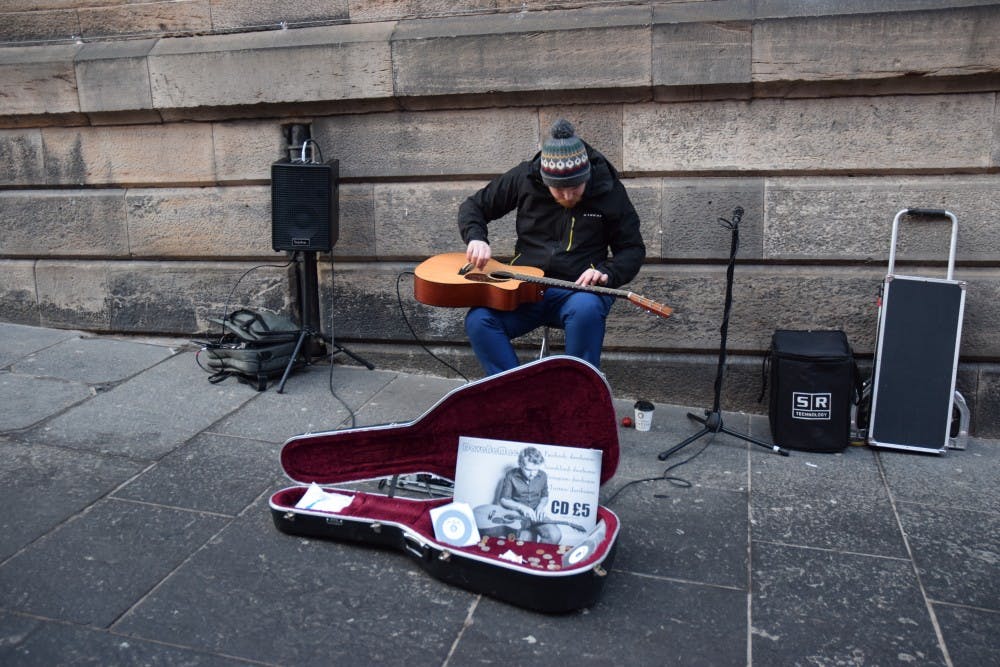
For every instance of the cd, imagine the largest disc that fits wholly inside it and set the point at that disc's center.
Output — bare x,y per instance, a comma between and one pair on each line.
578,554
453,526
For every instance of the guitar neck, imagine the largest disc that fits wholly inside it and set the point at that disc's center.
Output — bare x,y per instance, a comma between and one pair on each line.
555,282
641,301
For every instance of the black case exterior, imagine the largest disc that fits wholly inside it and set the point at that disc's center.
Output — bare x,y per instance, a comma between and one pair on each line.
812,384
557,400
916,363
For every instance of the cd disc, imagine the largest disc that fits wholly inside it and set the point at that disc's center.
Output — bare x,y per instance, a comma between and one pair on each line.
578,554
453,526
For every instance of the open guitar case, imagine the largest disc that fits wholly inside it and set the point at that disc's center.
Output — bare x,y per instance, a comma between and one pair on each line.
557,400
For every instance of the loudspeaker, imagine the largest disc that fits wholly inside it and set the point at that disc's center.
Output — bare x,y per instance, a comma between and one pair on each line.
305,205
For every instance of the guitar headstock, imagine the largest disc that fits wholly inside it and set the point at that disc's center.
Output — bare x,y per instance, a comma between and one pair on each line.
651,306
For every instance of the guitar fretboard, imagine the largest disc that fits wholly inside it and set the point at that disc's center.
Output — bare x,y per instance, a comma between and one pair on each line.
555,282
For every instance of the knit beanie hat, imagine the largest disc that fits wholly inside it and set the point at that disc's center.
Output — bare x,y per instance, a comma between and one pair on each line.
564,157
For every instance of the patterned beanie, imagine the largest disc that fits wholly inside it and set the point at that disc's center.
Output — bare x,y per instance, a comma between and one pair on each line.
564,157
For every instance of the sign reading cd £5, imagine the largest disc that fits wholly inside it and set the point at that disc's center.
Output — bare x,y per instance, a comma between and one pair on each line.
455,524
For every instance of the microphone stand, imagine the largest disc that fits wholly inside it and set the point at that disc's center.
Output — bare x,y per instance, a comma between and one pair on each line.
713,418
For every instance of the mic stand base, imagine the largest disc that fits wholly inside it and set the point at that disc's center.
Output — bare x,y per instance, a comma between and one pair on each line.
713,424
337,349
340,349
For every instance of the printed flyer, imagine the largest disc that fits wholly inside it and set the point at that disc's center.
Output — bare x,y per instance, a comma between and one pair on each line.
533,492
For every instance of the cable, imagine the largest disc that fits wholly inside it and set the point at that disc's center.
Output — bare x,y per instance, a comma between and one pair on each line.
399,300
676,481
333,346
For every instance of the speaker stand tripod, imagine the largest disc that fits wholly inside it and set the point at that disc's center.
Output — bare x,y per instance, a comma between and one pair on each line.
713,418
309,329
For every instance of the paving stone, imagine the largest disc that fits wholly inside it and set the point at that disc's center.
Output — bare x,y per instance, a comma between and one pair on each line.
61,644
638,621
405,399
340,603
693,534
830,501
20,341
123,548
26,400
149,415
815,606
306,405
92,360
41,486
212,473
956,552
92,569
970,634
958,478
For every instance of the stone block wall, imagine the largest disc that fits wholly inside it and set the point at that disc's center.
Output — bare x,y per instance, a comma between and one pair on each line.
136,141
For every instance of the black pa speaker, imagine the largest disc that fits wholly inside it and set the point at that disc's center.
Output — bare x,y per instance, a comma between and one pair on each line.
304,205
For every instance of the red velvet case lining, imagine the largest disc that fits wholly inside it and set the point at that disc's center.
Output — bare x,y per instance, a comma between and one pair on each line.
554,401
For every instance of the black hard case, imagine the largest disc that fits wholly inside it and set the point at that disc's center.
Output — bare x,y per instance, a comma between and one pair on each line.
557,400
917,354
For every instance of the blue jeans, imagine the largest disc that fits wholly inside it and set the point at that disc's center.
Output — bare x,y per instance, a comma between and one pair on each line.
581,315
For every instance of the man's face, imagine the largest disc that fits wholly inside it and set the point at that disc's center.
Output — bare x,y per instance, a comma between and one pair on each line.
568,197
530,469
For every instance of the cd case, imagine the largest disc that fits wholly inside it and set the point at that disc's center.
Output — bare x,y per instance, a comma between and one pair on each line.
383,486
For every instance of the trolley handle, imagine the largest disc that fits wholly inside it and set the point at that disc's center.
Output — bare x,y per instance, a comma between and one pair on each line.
929,213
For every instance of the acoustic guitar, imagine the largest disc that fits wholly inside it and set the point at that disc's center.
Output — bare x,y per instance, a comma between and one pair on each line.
449,280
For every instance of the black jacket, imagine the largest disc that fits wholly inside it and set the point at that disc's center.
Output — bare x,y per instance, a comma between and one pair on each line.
563,243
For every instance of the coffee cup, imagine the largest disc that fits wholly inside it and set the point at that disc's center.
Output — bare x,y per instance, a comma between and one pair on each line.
643,415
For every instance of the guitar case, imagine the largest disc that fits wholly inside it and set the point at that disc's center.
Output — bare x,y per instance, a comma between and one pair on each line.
557,400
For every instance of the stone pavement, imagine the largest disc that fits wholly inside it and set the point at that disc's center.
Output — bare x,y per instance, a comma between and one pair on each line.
136,530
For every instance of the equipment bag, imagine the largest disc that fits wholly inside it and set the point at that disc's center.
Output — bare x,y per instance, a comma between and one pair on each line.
255,347
251,326
814,381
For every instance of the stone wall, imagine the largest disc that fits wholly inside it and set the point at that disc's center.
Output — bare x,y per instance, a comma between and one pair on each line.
136,142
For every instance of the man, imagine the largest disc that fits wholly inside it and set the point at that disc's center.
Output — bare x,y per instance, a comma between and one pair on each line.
576,223
525,490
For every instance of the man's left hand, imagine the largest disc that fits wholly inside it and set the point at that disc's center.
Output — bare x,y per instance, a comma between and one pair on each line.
592,277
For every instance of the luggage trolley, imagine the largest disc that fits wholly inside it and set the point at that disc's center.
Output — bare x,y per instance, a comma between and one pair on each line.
916,358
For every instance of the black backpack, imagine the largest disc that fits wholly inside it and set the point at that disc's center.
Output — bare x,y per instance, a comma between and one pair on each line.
255,346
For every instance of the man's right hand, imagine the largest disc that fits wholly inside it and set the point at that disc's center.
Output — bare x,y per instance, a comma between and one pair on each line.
478,253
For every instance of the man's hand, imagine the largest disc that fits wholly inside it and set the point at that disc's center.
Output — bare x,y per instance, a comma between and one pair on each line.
528,513
478,253
592,277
